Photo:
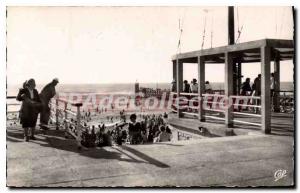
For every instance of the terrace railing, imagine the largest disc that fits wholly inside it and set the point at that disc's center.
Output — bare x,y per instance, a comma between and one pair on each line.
212,102
12,114
64,116
243,106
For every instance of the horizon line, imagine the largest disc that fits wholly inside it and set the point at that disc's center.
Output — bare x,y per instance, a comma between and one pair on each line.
121,83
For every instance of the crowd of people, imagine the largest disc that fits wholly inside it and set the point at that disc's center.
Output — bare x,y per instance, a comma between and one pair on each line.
255,89
151,128
246,88
191,87
146,129
89,114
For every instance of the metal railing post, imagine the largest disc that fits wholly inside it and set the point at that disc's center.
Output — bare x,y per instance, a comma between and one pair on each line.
66,118
56,113
78,126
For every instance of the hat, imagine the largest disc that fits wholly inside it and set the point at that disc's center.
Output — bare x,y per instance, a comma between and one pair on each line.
31,81
194,80
173,81
55,80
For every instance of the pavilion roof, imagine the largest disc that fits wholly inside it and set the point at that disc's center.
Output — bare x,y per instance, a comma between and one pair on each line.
246,52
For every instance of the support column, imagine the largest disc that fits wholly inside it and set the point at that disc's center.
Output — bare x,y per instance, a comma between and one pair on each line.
277,84
179,82
265,89
228,89
235,77
239,77
231,38
174,70
201,86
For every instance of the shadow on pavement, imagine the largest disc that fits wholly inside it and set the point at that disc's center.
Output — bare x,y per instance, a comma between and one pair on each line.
56,140
145,157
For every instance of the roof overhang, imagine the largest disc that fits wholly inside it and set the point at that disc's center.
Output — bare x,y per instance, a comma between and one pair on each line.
246,52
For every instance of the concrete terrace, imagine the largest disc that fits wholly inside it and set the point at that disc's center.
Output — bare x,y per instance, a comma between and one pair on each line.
244,160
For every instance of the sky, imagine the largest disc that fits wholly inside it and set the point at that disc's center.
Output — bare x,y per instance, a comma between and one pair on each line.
128,44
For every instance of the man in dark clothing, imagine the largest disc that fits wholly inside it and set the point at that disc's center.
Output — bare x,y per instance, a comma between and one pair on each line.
246,87
46,94
257,85
186,86
256,88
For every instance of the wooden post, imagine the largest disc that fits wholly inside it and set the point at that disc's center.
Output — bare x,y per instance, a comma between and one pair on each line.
56,113
78,126
66,118
179,81
235,77
228,89
239,77
174,70
265,89
201,86
230,25
277,84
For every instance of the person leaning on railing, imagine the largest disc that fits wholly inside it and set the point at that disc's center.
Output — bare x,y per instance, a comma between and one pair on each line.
30,108
46,94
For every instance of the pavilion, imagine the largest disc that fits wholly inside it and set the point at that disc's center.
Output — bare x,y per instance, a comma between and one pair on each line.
263,51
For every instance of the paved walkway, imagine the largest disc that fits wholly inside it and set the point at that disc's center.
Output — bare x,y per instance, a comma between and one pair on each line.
246,160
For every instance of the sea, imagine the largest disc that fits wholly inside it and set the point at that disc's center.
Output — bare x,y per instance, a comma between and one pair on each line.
121,88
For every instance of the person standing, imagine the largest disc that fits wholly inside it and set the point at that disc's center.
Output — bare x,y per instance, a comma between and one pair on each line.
272,86
163,135
194,86
173,86
134,130
256,89
245,91
208,88
246,87
30,108
47,93
186,86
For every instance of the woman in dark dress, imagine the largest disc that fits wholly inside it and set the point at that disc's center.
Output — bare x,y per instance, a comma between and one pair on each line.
31,105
